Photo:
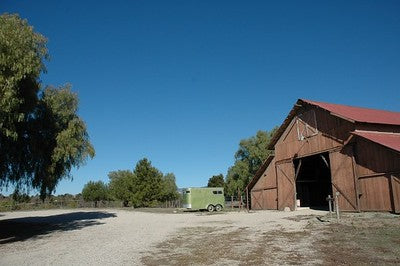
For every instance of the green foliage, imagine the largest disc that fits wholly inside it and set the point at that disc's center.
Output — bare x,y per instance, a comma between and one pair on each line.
61,140
144,187
216,181
238,177
122,186
95,191
22,52
148,184
251,154
19,197
40,129
169,189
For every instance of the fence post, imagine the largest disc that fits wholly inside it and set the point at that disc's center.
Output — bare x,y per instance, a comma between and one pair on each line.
247,199
337,205
240,200
330,199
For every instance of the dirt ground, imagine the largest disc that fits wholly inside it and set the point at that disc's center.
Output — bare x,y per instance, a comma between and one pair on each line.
171,237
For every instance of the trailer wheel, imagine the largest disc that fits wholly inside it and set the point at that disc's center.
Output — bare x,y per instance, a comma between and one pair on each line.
218,208
210,208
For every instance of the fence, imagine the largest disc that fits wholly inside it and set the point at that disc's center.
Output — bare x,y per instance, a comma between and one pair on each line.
170,204
9,205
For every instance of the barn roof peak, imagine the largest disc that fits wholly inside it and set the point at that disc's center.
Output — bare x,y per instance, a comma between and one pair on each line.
350,113
357,114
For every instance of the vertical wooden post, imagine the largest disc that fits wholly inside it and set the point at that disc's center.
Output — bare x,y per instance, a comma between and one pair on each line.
337,205
356,181
330,205
247,199
394,191
294,183
240,200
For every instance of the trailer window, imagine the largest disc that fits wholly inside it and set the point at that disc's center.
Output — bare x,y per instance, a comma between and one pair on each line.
215,192
219,192
187,191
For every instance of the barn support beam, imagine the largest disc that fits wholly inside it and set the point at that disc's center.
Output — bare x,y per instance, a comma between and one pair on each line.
356,182
394,193
297,170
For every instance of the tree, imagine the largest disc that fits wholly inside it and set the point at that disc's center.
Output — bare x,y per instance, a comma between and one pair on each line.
169,189
238,177
122,186
148,184
216,181
39,129
95,191
19,197
251,154
21,62
143,187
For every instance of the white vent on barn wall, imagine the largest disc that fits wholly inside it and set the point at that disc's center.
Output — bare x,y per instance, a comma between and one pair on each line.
306,124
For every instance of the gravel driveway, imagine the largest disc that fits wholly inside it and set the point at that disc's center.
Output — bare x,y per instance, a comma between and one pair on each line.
123,237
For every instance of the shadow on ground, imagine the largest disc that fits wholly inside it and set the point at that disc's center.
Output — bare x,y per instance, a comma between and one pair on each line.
20,229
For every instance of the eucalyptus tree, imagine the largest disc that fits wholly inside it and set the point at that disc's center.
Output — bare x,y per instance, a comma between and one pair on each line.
41,135
248,158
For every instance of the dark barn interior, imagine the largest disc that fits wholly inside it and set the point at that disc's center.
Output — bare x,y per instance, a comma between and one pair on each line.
313,182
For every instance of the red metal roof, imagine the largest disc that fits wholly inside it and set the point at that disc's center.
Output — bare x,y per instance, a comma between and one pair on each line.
358,114
390,140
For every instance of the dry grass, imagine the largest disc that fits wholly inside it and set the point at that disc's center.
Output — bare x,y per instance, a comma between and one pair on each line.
357,239
361,239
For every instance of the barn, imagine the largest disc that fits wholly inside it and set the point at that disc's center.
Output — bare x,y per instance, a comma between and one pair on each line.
323,148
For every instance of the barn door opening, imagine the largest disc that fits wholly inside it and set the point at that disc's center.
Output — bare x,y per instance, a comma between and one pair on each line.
313,180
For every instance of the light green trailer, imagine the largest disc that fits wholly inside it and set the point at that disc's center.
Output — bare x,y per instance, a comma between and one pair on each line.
208,198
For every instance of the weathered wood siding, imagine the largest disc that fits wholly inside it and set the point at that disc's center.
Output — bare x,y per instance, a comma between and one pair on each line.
343,180
268,178
375,194
378,170
265,199
325,132
264,193
372,158
395,185
286,185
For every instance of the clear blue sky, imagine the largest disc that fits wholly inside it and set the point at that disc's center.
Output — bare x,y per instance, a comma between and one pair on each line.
181,82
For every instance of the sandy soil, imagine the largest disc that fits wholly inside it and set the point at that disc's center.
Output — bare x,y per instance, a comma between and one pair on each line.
123,237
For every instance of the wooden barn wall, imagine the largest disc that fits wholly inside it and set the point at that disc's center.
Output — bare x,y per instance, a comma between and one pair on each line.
343,178
375,194
286,185
264,193
265,199
395,186
332,132
378,172
268,178
372,158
